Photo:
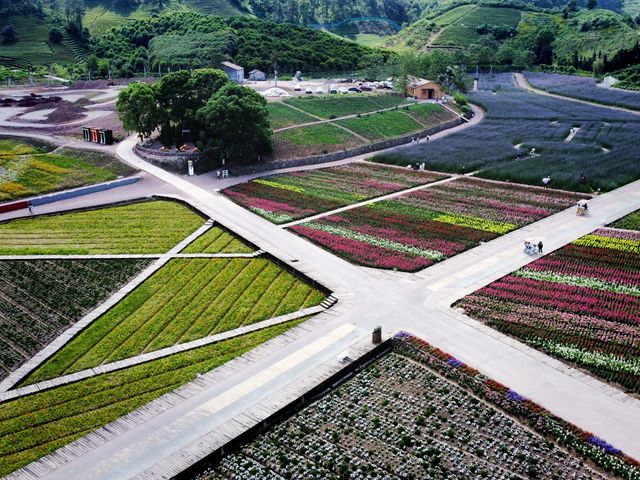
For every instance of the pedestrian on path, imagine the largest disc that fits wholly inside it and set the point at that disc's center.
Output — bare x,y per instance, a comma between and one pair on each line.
30,207
546,181
540,247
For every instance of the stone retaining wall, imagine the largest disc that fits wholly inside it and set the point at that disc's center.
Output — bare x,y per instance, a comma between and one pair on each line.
335,156
175,161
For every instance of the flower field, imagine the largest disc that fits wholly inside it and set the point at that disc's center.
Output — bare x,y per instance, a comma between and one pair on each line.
418,412
185,300
580,304
38,424
629,222
583,88
415,230
41,298
283,198
134,228
30,169
515,122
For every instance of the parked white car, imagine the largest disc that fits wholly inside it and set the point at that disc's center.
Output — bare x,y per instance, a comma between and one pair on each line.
308,91
333,89
344,90
297,87
320,91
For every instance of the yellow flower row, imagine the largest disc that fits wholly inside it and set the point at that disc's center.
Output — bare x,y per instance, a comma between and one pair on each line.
476,223
597,241
279,185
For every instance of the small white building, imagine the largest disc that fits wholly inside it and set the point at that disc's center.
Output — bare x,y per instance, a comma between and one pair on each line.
233,71
257,75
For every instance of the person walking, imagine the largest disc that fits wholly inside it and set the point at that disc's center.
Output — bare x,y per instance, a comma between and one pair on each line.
540,246
30,207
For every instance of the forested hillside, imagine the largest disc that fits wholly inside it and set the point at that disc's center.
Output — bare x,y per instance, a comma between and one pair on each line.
191,40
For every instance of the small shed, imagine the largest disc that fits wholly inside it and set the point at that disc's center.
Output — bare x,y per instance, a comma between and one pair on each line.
257,75
422,89
233,71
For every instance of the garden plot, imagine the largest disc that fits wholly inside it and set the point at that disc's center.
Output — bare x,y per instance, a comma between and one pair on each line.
218,240
415,230
186,300
340,106
134,228
583,88
42,298
38,424
516,122
580,304
30,169
312,140
283,198
281,116
383,125
420,413
629,222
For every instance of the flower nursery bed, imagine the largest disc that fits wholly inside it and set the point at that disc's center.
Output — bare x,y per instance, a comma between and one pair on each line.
580,304
283,198
185,300
628,222
415,230
517,121
418,412
583,88
139,227
28,169
41,298
38,424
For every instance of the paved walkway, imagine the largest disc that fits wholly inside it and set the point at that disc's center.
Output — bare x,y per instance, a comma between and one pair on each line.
247,389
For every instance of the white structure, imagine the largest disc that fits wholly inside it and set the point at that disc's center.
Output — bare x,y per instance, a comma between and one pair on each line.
257,75
233,71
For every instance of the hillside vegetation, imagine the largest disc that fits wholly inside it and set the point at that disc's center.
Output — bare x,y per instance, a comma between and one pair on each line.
191,40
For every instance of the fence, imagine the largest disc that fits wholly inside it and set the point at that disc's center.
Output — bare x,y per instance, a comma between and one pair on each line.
67,194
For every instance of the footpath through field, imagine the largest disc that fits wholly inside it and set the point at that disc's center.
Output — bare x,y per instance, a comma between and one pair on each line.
254,386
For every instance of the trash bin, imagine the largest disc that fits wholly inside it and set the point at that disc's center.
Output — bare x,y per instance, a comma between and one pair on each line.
376,336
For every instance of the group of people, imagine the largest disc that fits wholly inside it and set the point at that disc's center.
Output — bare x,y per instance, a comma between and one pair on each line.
531,248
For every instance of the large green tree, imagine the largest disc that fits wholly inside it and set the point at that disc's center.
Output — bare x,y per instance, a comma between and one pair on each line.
236,121
138,109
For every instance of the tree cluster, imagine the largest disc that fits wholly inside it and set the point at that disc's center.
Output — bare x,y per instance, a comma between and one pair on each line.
139,45
222,117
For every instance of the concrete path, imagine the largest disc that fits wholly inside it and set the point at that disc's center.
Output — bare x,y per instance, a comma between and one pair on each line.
176,432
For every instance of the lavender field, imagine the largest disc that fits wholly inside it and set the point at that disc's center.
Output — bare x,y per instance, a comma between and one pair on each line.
517,121
583,88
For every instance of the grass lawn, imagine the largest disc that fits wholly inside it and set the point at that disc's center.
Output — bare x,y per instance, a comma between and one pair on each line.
186,300
282,116
462,31
141,227
41,298
379,126
340,106
33,426
312,140
217,240
28,170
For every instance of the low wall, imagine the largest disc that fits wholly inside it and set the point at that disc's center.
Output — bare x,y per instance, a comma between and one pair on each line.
78,192
335,156
175,161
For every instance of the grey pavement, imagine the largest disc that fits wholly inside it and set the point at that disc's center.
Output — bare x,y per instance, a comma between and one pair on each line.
416,303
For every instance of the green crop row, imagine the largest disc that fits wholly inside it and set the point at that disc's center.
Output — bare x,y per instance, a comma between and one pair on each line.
144,227
340,106
217,240
34,426
185,300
